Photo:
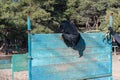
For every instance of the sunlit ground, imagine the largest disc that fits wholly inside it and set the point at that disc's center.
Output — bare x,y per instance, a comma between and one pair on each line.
116,67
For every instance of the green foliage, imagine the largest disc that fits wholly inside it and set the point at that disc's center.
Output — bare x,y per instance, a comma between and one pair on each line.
116,19
46,15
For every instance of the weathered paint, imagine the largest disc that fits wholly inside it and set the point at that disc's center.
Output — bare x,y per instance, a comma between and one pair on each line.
5,62
53,60
19,63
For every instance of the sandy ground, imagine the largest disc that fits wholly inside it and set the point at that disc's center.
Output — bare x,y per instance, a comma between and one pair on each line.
116,67
6,74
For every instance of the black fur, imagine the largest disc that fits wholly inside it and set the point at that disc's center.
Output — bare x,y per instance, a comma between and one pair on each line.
70,33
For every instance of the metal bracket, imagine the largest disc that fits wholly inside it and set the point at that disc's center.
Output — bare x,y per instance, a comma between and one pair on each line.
30,57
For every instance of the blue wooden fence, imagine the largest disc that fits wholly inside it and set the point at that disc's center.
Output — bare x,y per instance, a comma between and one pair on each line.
53,60
5,62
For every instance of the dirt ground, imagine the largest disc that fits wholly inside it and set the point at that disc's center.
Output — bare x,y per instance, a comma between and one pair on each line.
6,74
116,67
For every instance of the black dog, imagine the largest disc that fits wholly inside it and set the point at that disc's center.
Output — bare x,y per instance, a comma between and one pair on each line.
70,33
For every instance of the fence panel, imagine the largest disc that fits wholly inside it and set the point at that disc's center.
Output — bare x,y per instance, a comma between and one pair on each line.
5,67
19,66
53,60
